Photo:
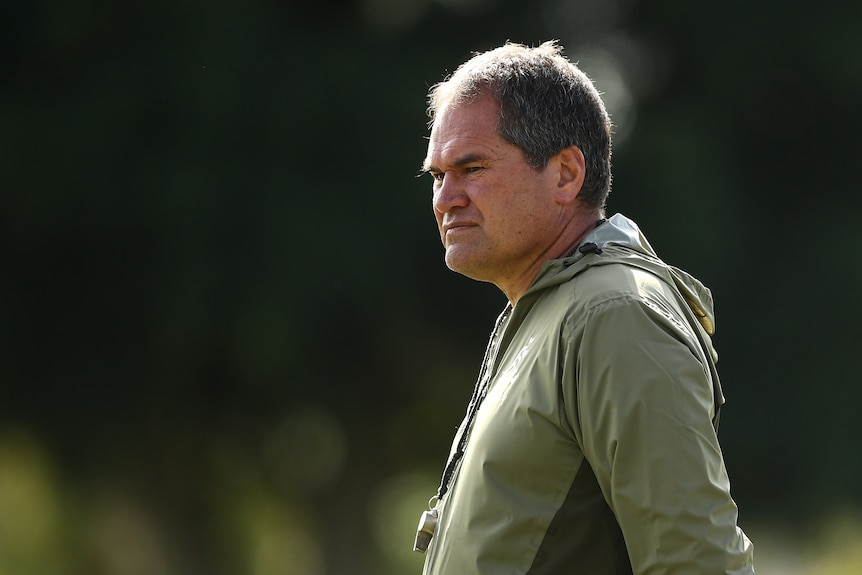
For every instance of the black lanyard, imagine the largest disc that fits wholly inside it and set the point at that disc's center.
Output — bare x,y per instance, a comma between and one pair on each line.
479,392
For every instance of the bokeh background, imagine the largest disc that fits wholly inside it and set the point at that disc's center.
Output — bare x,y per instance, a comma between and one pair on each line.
230,345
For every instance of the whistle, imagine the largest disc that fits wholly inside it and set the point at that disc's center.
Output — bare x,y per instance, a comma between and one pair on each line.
425,531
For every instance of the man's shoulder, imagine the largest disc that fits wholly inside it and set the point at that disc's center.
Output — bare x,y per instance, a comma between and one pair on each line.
611,289
614,280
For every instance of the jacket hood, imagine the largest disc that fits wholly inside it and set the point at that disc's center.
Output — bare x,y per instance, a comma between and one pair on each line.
619,240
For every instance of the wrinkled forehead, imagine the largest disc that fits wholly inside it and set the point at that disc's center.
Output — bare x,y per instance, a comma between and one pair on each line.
457,91
459,108
479,114
463,129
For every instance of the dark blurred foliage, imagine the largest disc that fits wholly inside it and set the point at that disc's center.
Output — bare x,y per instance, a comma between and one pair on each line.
223,290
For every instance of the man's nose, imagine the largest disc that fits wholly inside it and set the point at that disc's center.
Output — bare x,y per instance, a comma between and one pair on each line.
449,193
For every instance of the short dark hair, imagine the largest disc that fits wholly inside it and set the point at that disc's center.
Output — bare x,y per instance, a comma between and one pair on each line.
547,104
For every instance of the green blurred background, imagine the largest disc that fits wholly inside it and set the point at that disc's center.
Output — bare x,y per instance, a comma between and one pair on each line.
230,345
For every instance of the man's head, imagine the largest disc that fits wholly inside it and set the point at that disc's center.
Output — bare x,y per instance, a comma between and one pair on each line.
520,155
546,104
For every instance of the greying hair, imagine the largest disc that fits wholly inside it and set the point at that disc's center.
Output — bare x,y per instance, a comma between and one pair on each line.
547,104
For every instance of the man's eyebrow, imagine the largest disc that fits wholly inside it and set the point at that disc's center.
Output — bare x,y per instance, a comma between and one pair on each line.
460,162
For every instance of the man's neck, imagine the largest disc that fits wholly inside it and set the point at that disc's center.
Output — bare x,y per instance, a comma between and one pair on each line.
574,235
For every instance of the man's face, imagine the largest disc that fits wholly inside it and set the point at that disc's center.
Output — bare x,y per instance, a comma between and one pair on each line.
496,215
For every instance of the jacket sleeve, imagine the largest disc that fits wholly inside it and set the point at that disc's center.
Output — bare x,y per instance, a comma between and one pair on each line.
643,418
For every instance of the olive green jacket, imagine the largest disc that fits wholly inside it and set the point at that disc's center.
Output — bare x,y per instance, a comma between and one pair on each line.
594,450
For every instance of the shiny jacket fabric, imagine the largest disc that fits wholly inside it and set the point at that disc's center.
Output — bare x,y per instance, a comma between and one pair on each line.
594,451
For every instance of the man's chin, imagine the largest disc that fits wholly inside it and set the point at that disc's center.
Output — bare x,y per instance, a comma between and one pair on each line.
464,264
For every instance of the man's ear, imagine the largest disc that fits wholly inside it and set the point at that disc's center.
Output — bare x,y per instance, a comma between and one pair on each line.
572,169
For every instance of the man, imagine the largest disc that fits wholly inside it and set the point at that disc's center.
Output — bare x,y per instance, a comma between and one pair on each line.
589,446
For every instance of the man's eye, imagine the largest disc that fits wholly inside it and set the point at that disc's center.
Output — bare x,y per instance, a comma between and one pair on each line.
438,176
472,169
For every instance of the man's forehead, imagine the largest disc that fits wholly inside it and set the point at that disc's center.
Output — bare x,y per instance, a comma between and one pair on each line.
465,132
463,149
483,106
